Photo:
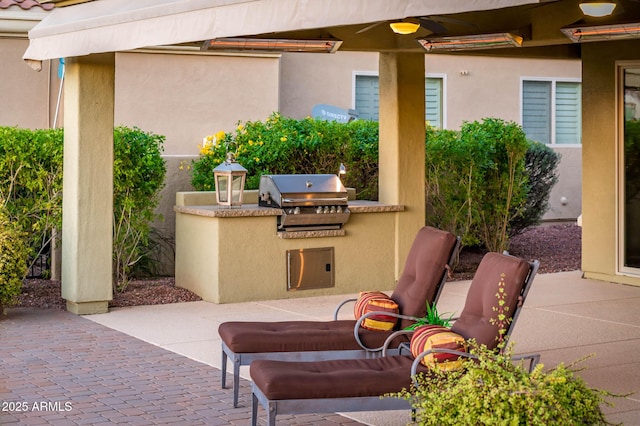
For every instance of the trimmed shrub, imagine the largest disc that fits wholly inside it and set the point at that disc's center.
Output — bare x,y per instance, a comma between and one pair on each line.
476,180
541,164
139,172
31,183
503,191
281,145
484,182
452,180
13,261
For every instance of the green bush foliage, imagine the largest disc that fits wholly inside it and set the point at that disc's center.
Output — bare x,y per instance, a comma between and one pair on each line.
476,182
484,182
31,183
139,173
541,164
13,260
496,390
281,145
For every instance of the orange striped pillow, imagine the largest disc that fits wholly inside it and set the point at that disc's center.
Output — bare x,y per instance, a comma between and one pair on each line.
363,299
434,337
376,301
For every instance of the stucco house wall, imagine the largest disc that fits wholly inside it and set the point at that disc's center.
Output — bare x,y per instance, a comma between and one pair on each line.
26,97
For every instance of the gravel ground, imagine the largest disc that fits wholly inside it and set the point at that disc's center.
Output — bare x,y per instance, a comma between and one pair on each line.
557,247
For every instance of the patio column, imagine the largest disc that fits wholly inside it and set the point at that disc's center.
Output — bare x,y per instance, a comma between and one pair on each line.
87,206
401,150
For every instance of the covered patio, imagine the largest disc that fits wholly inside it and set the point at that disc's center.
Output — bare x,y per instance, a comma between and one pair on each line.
89,33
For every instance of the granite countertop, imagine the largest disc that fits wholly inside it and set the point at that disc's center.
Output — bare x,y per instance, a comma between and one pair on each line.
253,210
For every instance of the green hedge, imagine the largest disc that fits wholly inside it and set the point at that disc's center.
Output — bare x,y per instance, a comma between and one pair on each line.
13,260
138,177
31,182
281,145
484,182
31,185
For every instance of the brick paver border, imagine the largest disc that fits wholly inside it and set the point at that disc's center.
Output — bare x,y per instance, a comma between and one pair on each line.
61,369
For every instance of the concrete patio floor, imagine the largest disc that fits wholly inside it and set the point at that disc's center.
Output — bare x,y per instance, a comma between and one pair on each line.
564,319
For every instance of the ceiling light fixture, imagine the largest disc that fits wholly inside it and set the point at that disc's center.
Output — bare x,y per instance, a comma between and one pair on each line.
471,42
580,34
598,9
271,45
404,27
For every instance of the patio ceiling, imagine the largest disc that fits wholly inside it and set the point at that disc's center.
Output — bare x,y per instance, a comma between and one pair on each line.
116,25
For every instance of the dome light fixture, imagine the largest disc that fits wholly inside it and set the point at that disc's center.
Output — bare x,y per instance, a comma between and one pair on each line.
404,27
598,9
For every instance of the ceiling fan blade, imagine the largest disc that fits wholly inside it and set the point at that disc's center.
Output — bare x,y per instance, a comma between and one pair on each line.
453,21
432,26
369,27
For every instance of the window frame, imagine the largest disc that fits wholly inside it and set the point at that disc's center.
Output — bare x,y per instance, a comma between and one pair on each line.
443,99
554,81
621,268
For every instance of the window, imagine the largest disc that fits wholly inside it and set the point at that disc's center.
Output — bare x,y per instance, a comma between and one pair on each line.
552,111
367,96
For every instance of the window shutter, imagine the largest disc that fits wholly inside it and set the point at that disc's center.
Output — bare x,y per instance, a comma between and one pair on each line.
568,113
433,102
536,110
367,97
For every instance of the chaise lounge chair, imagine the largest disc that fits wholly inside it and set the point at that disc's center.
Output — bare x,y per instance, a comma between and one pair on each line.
283,387
424,274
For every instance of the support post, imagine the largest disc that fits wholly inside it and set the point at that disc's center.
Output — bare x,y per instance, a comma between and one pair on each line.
87,207
402,144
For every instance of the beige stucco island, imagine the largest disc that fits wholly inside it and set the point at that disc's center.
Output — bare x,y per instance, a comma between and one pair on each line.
228,255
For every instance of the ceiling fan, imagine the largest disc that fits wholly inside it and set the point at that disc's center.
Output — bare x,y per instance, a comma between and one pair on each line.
434,24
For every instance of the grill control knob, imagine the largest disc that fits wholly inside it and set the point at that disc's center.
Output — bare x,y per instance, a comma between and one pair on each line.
339,209
296,210
326,209
318,209
333,209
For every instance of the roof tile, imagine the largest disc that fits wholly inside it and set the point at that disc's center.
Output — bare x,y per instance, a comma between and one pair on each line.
25,4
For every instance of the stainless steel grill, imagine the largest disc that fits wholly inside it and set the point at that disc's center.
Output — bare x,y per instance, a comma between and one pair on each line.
308,202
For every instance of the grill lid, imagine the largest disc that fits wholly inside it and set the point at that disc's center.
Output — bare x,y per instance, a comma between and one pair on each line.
301,190
308,202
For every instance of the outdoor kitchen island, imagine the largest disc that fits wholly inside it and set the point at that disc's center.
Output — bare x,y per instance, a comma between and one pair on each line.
228,255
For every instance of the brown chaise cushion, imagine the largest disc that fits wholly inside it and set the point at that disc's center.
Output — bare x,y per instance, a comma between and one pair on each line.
332,379
297,336
423,271
475,319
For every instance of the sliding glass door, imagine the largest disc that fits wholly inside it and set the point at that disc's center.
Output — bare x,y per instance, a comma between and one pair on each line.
630,170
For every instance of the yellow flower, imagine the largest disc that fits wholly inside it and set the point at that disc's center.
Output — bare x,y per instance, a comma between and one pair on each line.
239,128
256,159
260,143
250,142
283,139
220,135
205,147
